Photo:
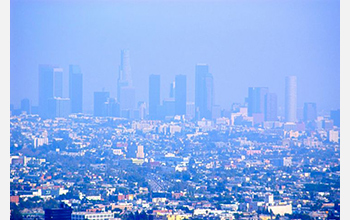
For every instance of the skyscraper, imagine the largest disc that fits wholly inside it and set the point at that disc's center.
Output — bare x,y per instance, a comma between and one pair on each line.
291,99
76,89
180,95
112,107
172,90
58,82
310,111
100,103
154,96
25,106
271,107
59,107
335,116
127,101
256,100
203,92
50,86
125,90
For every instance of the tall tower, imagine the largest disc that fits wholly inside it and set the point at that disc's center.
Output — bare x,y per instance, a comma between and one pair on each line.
125,90
310,111
203,92
76,89
180,95
100,103
124,79
291,99
58,82
154,96
256,100
50,86
271,107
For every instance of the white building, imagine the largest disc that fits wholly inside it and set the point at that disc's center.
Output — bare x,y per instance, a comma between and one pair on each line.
280,209
333,136
92,216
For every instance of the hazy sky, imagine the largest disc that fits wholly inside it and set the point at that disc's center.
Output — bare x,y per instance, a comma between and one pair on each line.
245,43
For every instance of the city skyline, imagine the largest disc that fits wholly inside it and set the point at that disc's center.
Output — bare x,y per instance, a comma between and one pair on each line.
197,109
236,60
261,104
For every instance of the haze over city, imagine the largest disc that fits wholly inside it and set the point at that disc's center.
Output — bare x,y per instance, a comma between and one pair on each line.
245,44
172,110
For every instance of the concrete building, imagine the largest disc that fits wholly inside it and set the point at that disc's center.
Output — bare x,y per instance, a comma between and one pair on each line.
291,99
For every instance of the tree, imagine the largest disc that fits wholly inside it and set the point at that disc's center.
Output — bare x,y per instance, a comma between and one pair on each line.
15,213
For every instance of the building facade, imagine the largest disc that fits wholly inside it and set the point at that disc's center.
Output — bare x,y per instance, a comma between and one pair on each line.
291,99
204,92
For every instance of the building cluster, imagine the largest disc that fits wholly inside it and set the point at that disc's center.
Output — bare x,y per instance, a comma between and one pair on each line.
172,159
261,104
177,169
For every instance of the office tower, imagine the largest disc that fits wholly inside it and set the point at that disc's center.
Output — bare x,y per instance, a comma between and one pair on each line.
112,107
100,99
58,82
168,108
256,100
271,107
50,86
142,109
190,110
125,90
291,99
180,95
25,106
127,101
172,90
203,92
58,107
216,112
154,96
310,111
335,116
76,89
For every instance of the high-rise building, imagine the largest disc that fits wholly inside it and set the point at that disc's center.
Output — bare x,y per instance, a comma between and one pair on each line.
125,89
50,86
112,107
142,109
310,111
204,94
76,89
154,96
271,107
335,116
172,90
25,106
127,99
180,95
291,99
190,110
100,101
168,108
58,82
256,100
59,107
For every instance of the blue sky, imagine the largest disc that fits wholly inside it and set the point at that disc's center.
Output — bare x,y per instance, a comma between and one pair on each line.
245,43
